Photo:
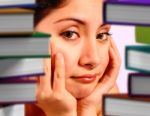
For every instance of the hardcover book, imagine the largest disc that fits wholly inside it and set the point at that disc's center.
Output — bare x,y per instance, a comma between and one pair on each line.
139,84
36,45
132,1
126,13
21,67
16,21
137,58
142,34
12,110
17,3
123,105
17,91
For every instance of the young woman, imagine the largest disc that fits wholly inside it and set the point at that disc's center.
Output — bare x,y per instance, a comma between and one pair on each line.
84,60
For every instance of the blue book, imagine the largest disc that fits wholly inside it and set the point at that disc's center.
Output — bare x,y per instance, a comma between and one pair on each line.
17,3
125,12
137,58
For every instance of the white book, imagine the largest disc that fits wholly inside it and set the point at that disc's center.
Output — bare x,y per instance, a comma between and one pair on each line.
138,58
123,105
16,21
4,3
129,13
21,67
12,110
36,45
139,84
17,91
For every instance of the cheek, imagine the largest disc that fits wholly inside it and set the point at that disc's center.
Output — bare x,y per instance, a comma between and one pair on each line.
71,55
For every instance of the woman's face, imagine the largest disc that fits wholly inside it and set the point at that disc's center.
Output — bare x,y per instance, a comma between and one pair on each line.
79,34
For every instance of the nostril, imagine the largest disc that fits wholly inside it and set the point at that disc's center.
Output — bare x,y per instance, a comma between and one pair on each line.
89,66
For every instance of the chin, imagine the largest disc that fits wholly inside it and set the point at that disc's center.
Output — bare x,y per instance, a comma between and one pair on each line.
81,91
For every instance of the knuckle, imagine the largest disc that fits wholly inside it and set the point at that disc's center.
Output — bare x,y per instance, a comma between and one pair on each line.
43,96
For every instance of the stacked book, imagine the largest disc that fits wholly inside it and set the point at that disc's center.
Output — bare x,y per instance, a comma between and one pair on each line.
137,58
22,51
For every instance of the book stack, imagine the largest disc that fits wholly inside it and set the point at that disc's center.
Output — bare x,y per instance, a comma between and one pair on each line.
22,51
137,59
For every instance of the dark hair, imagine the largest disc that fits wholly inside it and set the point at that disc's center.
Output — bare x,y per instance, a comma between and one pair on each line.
46,6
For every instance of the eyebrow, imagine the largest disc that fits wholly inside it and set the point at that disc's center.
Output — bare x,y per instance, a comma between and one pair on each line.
76,20
71,19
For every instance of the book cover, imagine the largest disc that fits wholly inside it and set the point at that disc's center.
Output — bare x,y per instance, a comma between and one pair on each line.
139,84
17,3
21,67
16,21
124,105
36,45
137,58
17,91
121,13
142,34
12,110
132,1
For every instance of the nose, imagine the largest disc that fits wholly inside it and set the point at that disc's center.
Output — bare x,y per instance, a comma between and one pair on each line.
90,57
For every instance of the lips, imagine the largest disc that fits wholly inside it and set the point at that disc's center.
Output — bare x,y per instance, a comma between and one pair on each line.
88,78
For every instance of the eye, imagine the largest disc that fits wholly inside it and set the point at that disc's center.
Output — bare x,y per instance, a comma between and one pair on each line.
102,36
70,35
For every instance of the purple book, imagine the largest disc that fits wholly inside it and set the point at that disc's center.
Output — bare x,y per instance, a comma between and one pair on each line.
17,91
132,1
127,12
139,84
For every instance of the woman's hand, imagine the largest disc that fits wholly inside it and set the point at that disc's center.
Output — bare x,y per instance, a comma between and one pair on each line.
53,98
91,104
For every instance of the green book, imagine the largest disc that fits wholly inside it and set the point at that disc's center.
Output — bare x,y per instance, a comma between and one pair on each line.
142,34
35,45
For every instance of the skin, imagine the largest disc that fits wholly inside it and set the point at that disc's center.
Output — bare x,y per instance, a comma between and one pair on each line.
80,46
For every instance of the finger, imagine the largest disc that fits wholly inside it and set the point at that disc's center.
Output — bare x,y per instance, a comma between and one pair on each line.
113,66
110,75
59,74
113,45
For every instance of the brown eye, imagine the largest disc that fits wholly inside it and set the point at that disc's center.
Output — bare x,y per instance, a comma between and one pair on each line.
70,35
102,36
